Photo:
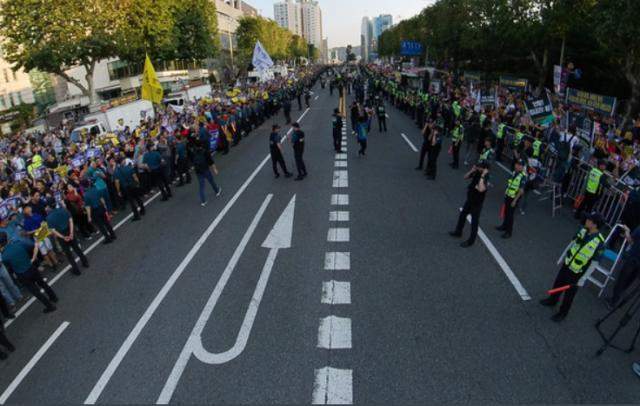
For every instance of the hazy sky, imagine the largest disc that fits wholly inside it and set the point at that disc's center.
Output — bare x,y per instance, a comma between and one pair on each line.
341,19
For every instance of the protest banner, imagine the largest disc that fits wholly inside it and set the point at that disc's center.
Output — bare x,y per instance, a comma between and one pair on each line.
540,109
514,84
605,105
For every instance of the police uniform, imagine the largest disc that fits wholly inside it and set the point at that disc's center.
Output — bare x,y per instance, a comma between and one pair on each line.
583,250
457,138
276,154
435,145
297,139
336,125
473,205
515,184
500,141
382,117
592,191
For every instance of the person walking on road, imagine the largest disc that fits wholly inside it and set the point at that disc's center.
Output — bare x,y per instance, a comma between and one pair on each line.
97,212
587,245
515,190
128,187
61,224
336,124
275,149
362,137
476,191
20,259
152,161
203,165
297,140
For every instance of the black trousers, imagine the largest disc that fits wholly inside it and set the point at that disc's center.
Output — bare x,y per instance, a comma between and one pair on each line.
629,270
278,159
302,169
566,277
432,161
456,154
99,220
337,140
158,180
287,115
67,246
474,210
132,195
499,149
509,213
382,123
33,282
363,146
183,170
4,341
423,152
4,309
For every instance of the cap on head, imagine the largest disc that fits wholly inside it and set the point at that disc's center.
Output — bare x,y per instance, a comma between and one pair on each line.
596,218
520,162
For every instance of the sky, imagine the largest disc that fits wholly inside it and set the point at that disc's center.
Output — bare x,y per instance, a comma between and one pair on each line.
341,19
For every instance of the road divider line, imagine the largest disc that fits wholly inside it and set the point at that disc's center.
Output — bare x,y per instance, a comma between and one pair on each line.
164,291
333,386
338,234
337,261
413,147
32,363
336,293
334,333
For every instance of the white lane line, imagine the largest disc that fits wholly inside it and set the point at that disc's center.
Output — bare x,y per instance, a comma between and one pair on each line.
341,156
413,147
341,164
316,98
387,116
68,267
334,333
339,234
339,216
336,293
32,363
142,322
340,179
333,386
340,200
337,261
506,269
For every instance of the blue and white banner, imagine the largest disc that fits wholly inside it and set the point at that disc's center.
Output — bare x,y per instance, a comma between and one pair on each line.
261,59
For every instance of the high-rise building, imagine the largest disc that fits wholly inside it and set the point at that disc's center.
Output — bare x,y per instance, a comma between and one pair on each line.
301,17
381,23
288,14
366,38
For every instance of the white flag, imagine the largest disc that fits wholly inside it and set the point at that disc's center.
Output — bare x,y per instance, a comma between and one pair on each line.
261,59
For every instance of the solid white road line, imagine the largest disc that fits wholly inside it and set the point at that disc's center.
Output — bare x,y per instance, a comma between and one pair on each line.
341,164
413,147
68,267
334,333
340,200
333,386
32,362
142,322
339,216
338,235
336,293
337,261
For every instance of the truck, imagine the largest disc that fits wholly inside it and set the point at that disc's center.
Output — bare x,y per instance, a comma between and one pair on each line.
188,94
119,117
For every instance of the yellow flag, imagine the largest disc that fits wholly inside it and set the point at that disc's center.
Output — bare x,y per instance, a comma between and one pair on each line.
151,88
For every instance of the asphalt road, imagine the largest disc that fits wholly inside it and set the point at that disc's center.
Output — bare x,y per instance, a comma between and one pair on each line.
285,292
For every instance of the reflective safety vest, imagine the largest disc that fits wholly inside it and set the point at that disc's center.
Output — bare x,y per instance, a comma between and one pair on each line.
581,253
514,184
518,138
482,118
537,145
456,109
486,154
458,134
593,181
501,128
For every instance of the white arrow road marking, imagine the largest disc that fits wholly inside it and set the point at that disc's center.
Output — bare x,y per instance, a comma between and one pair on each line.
333,387
279,238
334,333
336,293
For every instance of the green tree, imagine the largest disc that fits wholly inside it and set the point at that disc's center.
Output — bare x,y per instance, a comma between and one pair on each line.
279,42
195,29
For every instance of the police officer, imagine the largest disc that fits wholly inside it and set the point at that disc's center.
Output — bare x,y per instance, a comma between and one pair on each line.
336,124
61,224
586,246
152,161
456,140
297,140
96,209
128,187
426,144
593,189
20,259
487,151
476,191
275,149
502,128
382,116
435,145
286,108
515,190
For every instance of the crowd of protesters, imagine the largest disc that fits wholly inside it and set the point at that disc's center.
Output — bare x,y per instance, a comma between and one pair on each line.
61,188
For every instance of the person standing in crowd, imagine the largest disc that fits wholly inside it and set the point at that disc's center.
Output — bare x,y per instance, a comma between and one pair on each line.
513,193
9,292
500,135
456,141
299,97
629,265
203,165
435,145
336,124
4,341
297,140
97,212
19,258
307,97
593,189
286,109
152,161
586,246
362,136
61,224
128,188
275,150
426,144
382,117
182,162
355,112
476,191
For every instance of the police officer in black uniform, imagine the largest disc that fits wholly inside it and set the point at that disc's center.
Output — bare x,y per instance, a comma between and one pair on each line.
382,116
297,140
275,148
426,144
336,123
476,191
435,145
286,108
